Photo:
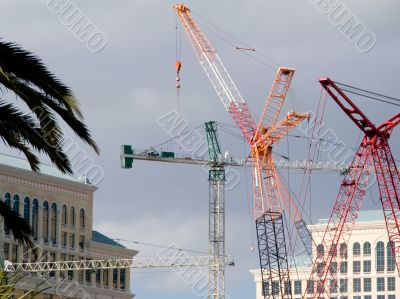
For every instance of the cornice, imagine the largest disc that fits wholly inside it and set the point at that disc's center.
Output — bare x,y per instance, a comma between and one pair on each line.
45,182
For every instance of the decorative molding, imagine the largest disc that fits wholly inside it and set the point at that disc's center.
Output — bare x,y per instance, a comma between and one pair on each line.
43,186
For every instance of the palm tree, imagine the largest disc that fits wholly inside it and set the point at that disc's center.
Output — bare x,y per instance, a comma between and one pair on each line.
37,128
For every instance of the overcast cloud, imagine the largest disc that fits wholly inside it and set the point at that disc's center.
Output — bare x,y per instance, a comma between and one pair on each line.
127,86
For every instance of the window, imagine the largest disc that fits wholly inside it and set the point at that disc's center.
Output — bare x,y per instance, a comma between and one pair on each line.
343,286
82,218
310,287
343,251
64,215
64,240
115,278
98,277
343,267
45,223
367,284
288,288
333,267
356,297
297,287
72,241
320,268
81,242
16,203
356,267
367,266
356,249
367,248
105,278
265,289
27,209
35,211
380,257
14,253
391,296
88,276
380,284
72,217
320,251
333,285
390,257
367,297
53,223
7,201
6,250
356,284
333,250
380,297
391,283
275,285
122,281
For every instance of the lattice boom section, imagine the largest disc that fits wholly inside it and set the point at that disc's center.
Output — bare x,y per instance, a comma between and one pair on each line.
161,262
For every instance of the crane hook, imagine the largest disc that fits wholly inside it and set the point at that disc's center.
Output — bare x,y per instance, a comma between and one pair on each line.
178,66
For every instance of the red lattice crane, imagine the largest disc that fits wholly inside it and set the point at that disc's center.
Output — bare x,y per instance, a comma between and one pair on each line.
373,154
268,206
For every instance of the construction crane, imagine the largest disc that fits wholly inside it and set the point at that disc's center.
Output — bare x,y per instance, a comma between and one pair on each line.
135,263
373,154
267,207
216,215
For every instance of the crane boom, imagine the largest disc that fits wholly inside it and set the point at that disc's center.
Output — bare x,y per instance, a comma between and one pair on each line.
218,75
136,263
373,153
234,162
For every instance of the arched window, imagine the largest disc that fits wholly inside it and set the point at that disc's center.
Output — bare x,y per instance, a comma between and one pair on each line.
35,211
72,217
45,225
343,250
320,251
390,257
356,249
7,201
27,209
320,267
380,256
367,248
333,250
64,215
16,203
53,226
82,218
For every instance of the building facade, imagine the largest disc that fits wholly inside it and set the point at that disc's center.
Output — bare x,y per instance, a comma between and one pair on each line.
59,209
366,269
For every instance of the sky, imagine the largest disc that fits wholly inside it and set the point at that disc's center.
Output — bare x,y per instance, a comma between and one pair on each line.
129,83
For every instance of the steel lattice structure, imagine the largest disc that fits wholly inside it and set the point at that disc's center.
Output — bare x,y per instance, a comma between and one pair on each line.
137,263
374,154
267,206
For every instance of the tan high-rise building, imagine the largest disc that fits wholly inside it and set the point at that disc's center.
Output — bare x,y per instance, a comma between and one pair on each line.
60,210
367,267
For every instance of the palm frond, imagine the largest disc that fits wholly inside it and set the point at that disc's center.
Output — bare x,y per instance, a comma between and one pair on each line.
30,68
19,227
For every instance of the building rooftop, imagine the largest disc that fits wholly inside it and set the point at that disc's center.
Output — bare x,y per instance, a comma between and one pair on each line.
46,169
363,216
100,238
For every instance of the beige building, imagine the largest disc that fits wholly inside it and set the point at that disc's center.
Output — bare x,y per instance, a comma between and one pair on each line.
367,267
60,210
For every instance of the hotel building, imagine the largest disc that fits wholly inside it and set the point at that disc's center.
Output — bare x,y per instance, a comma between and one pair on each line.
59,209
367,267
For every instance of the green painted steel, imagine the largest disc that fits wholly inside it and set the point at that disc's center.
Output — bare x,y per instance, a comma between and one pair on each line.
213,146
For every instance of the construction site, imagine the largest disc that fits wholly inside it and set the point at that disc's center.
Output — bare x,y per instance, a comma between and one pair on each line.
244,153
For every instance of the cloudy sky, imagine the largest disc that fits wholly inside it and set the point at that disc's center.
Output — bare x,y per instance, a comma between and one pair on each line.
130,83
